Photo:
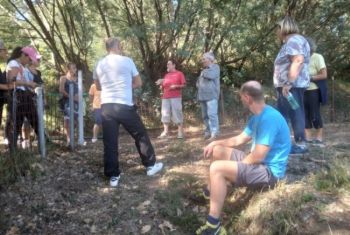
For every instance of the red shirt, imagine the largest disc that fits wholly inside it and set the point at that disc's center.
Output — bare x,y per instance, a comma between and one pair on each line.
173,78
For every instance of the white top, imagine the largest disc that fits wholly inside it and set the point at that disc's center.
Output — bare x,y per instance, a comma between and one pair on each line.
115,74
20,75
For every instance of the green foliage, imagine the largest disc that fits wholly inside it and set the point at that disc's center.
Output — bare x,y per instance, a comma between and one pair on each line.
336,177
240,33
19,164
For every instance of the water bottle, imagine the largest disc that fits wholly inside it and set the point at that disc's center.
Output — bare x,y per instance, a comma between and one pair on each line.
292,101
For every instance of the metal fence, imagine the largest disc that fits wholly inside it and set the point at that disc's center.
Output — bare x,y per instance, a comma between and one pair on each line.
40,113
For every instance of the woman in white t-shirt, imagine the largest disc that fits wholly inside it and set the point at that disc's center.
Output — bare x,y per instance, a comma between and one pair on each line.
21,95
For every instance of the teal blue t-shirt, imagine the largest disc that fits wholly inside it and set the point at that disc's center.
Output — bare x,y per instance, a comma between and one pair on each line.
270,128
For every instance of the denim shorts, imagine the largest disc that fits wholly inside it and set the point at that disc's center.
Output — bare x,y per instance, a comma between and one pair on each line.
254,176
98,116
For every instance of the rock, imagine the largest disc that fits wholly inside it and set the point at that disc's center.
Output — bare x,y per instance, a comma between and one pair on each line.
13,231
87,221
166,224
143,205
178,212
93,229
146,229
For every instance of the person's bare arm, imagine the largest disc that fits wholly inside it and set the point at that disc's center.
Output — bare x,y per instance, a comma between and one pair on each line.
61,87
257,155
11,77
297,62
136,82
8,86
321,75
97,84
230,142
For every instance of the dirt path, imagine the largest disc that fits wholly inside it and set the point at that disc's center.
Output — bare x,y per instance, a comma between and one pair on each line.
72,195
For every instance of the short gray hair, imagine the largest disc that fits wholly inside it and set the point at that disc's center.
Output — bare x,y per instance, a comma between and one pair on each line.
2,45
288,26
112,43
209,55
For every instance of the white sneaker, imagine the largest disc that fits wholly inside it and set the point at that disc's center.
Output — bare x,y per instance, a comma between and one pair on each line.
114,180
152,170
93,140
180,135
25,144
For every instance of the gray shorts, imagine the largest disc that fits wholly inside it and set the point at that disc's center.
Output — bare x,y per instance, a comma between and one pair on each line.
172,109
254,176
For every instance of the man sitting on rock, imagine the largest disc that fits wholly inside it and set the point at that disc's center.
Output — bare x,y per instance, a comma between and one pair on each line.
262,167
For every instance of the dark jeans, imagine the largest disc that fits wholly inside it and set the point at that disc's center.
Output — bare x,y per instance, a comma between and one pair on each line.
297,117
312,106
2,103
112,116
25,107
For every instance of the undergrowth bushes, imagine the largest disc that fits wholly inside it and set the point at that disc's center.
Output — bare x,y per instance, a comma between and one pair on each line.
19,164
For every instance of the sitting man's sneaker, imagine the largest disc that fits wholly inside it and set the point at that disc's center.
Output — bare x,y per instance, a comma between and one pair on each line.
114,181
152,170
298,149
211,229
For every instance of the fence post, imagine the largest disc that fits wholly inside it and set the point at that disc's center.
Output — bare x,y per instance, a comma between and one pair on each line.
71,115
80,109
222,104
41,127
332,113
13,143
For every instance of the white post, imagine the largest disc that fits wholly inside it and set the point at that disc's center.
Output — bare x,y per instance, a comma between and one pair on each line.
71,115
41,124
80,109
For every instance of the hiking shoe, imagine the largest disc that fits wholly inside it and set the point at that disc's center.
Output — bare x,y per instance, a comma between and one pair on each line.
152,170
163,135
297,149
211,229
114,180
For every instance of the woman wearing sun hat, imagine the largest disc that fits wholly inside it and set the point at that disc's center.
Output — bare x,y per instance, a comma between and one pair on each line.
21,95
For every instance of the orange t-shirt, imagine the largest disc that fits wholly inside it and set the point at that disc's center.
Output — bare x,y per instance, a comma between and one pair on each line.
96,103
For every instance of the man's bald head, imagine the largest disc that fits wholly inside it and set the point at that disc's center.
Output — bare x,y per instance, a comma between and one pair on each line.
253,89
